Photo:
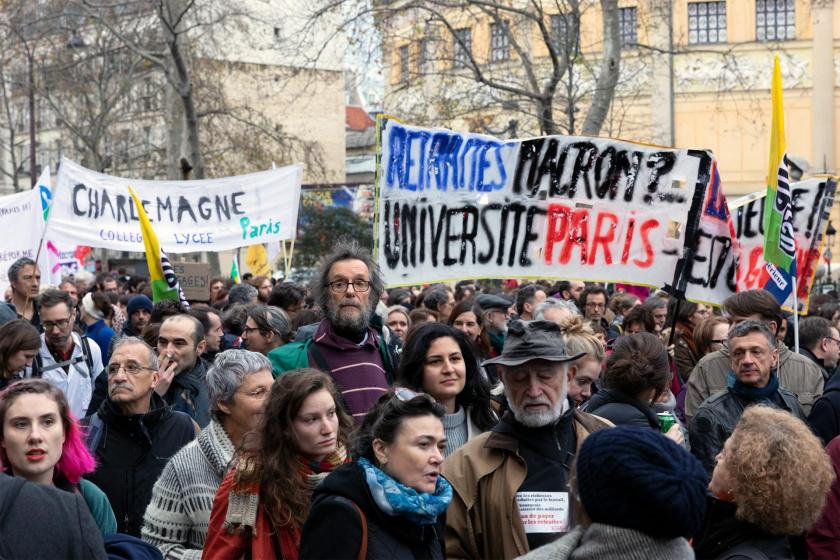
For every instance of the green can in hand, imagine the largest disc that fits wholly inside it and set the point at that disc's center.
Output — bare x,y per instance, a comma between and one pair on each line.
666,420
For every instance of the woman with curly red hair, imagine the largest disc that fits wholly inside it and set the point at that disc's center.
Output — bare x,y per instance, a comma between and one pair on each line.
40,441
769,484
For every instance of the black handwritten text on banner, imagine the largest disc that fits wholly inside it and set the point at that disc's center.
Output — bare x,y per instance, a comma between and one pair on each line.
93,209
454,205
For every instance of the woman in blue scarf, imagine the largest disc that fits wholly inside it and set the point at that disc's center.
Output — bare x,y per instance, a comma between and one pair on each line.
390,503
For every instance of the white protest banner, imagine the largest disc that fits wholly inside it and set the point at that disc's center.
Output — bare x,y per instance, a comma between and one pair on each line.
453,205
720,267
21,226
94,209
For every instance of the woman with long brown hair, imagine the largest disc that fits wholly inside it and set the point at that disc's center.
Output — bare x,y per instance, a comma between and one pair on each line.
19,344
263,500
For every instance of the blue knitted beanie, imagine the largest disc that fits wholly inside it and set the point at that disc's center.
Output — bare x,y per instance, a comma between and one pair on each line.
639,479
139,302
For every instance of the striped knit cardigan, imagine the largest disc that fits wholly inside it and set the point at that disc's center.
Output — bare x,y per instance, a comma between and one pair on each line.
177,517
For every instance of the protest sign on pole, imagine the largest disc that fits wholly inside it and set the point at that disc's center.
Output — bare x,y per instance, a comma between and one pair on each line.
22,223
94,209
452,205
721,268
194,279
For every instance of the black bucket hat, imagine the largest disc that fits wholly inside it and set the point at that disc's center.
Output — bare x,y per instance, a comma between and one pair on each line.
532,340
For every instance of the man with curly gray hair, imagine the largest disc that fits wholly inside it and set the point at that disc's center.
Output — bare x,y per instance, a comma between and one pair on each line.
348,343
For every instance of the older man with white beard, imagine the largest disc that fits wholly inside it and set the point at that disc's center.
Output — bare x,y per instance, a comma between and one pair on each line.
510,485
346,344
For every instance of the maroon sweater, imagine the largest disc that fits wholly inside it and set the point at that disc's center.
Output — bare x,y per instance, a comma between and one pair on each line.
357,369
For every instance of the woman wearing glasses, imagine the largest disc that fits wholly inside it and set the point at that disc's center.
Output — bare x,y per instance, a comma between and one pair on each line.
437,359
263,500
40,441
177,517
390,503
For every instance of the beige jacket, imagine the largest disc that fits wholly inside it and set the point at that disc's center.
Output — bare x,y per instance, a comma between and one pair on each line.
483,520
797,374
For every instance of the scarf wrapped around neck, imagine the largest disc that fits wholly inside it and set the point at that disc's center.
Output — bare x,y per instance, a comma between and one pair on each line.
752,394
316,471
244,500
395,498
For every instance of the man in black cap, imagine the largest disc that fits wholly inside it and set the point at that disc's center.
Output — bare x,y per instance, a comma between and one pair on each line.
495,311
525,459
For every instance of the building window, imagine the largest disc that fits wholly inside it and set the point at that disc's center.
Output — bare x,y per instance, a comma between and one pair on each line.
404,61
706,22
499,42
627,26
562,28
462,47
775,20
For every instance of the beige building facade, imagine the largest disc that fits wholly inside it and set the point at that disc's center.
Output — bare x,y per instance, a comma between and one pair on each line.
693,74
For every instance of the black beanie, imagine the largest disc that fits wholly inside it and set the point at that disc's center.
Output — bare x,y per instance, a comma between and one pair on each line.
639,479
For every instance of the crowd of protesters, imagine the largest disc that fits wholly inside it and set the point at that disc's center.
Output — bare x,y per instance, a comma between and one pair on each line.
482,419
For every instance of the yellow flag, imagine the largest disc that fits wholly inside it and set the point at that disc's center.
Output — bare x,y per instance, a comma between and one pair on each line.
257,260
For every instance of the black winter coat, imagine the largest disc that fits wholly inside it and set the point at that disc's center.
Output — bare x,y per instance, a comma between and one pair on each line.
825,414
333,528
131,453
38,521
719,414
723,537
622,410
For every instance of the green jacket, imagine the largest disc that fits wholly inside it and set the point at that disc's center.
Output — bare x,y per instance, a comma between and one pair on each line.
295,355
99,506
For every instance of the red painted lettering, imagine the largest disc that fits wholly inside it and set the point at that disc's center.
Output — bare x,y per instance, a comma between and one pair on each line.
647,225
558,223
578,237
602,238
628,239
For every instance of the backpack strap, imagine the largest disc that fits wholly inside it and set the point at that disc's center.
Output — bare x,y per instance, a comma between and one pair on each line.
88,361
363,521
37,365
320,362
94,433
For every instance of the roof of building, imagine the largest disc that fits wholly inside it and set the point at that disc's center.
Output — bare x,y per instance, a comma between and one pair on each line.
357,118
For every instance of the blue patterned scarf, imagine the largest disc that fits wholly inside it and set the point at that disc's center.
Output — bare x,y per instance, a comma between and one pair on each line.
395,498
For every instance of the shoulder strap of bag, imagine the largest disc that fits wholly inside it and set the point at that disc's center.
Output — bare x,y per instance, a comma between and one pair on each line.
363,548
363,520
89,361
94,433
320,362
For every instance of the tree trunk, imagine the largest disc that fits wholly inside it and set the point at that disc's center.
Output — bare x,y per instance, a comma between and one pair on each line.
608,76
184,91
545,110
174,133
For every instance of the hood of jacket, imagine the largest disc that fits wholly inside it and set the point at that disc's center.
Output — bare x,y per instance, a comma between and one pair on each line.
601,542
348,481
614,396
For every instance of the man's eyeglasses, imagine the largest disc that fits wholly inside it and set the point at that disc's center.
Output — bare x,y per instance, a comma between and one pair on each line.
340,286
50,325
249,330
591,305
834,339
130,368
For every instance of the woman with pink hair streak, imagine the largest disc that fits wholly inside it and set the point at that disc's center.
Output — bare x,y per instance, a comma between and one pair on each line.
40,441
